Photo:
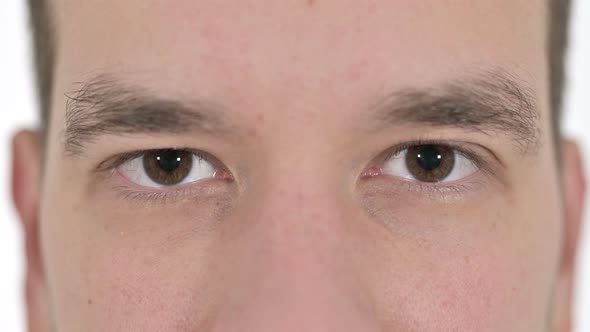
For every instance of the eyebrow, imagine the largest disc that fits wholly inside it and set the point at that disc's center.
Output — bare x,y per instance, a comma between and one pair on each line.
493,102
105,105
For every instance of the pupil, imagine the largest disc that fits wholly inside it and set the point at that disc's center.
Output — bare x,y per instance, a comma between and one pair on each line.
429,157
169,161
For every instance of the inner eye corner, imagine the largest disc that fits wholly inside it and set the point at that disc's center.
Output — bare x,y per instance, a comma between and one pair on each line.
371,172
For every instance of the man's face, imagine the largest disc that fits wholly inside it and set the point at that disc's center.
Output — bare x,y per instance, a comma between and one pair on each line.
301,166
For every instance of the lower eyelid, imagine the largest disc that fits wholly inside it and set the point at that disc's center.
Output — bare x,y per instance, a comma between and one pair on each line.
473,181
478,173
389,186
206,188
128,183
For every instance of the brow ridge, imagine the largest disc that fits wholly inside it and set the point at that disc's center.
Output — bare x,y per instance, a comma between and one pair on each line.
493,102
105,105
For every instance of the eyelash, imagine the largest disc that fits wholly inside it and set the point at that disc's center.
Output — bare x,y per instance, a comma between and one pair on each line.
133,194
118,160
169,195
484,164
156,196
466,152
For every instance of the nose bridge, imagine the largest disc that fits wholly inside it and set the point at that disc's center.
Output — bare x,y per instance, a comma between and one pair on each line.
295,269
300,202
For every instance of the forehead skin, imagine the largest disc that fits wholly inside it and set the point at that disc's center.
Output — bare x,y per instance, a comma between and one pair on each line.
298,75
259,45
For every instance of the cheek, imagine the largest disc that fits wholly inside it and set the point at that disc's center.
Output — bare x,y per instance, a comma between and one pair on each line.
138,289
123,269
487,268
129,283
474,291
466,290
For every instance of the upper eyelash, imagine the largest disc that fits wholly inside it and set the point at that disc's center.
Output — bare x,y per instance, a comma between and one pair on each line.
118,160
483,163
458,148
170,194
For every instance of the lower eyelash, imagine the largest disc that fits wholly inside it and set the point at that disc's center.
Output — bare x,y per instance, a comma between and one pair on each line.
147,197
442,191
392,186
169,195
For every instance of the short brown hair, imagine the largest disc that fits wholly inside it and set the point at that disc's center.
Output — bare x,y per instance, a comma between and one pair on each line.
559,11
44,54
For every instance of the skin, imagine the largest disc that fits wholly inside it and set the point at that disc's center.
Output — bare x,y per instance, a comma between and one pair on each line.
299,240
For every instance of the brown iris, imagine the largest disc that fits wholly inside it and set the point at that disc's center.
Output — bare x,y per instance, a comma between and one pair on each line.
167,167
430,163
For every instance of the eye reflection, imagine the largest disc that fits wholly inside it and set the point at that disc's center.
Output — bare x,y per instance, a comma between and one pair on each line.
167,167
429,163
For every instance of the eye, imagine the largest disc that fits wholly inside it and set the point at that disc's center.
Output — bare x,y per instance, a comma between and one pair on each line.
164,168
429,163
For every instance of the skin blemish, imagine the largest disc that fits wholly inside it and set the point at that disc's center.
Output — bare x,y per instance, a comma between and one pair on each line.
252,133
310,3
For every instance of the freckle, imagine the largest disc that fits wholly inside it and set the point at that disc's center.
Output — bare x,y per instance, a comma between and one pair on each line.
252,133
299,198
89,301
466,259
260,117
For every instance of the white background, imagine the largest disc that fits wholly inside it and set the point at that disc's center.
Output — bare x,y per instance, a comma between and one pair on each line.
18,109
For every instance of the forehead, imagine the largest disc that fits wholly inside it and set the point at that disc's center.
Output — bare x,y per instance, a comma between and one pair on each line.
256,46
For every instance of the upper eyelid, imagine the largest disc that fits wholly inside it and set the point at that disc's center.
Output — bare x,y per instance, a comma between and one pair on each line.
119,159
462,148
457,147
481,160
